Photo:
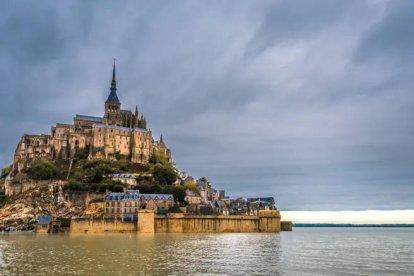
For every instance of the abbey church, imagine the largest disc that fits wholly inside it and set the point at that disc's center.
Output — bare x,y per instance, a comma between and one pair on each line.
118,134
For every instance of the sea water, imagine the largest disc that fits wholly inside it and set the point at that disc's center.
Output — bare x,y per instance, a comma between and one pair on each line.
305,251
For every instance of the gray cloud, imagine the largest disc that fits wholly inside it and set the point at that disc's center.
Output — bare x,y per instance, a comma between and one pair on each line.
311,103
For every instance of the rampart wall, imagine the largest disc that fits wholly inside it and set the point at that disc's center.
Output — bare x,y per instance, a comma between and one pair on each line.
148,222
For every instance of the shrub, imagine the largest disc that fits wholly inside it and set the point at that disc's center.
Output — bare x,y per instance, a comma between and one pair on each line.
5,171
83,153
159,158
118,156
74,185
110,185
96,177
190,185
105,168
3,200
164,174
42,169
177,191
147,187
19,177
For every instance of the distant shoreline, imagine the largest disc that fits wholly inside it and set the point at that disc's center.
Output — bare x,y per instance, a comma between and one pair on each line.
316,225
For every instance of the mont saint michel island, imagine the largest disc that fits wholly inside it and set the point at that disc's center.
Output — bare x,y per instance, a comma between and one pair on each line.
109,174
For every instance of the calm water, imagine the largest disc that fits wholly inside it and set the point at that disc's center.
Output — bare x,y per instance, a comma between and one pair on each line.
306,251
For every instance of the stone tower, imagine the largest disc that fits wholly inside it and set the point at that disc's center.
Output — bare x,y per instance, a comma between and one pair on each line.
113,105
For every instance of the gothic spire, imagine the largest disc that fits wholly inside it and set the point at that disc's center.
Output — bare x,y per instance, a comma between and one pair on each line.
113,97
113,83
136,119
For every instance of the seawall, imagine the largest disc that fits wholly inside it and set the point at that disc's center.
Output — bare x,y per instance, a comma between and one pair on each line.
101,225
148,222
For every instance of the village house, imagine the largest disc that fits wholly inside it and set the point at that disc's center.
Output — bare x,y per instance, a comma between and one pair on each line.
193,198
220,207
125,178
113,206
157,202
262,203
123,205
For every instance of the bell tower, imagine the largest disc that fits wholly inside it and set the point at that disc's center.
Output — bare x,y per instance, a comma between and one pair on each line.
113,105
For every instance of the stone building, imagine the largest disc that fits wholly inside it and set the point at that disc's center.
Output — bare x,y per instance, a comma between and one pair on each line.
117,134
157,201
125,205
122,205
125,178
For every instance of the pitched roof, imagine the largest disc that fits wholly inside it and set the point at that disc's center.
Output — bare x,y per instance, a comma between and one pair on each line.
119,128
157,196
44,220
129,194
88,118
261,199
113,97
122,175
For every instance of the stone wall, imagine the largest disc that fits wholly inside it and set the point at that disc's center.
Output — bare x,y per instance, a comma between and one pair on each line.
182,223
83,199
86,225
286,226
148,222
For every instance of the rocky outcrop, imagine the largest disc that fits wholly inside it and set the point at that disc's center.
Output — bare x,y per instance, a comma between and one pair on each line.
46,198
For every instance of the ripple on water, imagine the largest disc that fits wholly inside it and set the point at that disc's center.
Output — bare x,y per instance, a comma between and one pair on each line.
306,251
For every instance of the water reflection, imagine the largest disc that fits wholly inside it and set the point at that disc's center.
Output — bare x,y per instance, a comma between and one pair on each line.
143,254
302,252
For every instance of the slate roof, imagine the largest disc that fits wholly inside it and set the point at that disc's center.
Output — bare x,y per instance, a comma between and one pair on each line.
129,195
157,196
191,193
132,194
123,111
114,196
89,118
113,97
261,199
122,175
119,128
44,220
64,125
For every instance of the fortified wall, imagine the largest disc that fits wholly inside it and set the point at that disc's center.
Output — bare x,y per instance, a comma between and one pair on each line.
148,222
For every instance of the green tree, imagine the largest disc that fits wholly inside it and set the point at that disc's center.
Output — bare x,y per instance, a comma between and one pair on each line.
203,179
19,177
164,174
5,171
3,198
118,155
96,177
83,153
158,158
74,185
147,187
177,191
190,185
42,169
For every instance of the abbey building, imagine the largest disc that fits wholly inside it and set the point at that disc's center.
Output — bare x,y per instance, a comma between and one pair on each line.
118,134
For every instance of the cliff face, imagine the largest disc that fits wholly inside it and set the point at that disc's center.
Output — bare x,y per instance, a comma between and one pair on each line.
37,199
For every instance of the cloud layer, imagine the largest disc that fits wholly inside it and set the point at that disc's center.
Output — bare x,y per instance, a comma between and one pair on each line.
309,102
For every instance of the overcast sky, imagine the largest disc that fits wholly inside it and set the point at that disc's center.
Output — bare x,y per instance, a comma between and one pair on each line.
308,101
